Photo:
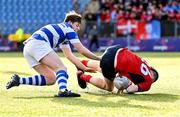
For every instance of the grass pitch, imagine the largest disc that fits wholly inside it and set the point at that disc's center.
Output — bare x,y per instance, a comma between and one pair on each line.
163,100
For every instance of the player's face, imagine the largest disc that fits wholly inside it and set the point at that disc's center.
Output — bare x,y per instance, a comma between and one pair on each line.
76,26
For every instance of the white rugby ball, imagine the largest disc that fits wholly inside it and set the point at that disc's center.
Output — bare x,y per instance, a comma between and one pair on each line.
121,82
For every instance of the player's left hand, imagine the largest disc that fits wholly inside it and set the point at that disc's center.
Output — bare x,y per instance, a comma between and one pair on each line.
91,70
120,92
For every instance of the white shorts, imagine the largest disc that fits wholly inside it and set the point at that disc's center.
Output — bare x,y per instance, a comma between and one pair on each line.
35,50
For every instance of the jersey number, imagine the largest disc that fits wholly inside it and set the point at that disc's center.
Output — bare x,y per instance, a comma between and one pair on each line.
144,69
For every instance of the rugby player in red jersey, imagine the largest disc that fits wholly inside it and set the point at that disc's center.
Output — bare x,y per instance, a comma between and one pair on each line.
123,62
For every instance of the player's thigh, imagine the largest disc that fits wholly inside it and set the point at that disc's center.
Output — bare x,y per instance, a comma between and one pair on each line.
34,50
47,72
94,64
52,60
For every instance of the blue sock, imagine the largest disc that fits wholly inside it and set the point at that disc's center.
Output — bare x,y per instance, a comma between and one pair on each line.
61,78
38,80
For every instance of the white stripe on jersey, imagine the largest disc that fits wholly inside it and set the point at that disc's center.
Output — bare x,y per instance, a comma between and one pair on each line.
64,46
62,28
65,29
55,34
42,34
75,41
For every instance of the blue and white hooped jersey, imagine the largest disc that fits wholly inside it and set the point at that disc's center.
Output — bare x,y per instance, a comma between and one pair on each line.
56,34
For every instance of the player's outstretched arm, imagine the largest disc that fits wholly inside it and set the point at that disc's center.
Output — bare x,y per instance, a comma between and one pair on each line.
70,56
131,89
94,64
84,51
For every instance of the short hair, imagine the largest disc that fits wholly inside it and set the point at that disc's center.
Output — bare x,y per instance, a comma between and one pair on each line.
72,16
155,74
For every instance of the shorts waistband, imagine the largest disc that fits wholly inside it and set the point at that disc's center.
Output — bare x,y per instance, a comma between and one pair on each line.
35,36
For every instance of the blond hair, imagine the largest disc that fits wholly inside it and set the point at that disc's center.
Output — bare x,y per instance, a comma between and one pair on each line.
72,16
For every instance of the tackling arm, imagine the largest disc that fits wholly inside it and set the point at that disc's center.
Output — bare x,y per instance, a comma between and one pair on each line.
70,56
84,51
145,86
131,89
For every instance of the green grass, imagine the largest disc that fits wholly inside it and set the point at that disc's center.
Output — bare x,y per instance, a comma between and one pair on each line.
163,100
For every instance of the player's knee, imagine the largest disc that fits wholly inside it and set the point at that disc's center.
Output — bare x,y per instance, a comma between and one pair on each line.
108,88
61,68
50,80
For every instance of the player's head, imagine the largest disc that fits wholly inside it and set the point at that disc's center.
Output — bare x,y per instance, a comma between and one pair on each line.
74,19
155,74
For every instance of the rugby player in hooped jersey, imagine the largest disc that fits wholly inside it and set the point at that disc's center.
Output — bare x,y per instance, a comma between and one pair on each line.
122,62
39,53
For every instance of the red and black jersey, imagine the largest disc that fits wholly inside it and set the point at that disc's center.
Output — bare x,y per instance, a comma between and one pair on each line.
136,69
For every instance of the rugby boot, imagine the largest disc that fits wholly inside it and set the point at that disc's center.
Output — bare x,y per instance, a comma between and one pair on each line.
67,93
13,82
82,83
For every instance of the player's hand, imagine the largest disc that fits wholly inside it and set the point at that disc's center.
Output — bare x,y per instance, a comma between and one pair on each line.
100,57
120,92
90,70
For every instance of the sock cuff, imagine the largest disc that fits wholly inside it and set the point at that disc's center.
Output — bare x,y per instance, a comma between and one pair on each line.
84,62
86,77
62,73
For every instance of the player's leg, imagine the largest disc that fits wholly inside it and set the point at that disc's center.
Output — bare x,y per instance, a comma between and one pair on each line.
52,61
49,74
39,52
106,66
45,77
92,64
102,83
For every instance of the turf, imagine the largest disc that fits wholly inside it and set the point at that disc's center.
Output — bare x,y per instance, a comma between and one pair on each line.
163,100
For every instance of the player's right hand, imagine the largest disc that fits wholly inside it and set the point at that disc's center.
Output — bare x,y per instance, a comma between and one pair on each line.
90,70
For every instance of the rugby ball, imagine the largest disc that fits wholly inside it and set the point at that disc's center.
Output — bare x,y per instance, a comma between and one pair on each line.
121,82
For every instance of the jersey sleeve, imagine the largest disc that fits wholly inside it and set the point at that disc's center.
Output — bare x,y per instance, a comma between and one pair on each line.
65,44
144,86
72,37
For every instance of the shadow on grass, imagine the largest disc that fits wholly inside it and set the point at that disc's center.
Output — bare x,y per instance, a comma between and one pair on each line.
107,100
156,97
87,102
14,72
35,97
102,101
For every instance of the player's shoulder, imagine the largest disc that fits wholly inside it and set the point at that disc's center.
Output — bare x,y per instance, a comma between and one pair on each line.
66,27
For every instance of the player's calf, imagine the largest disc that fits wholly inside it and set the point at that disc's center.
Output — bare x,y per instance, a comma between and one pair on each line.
81,82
